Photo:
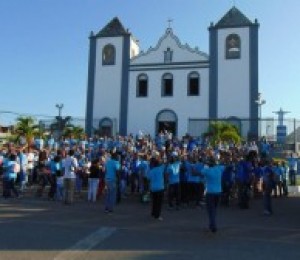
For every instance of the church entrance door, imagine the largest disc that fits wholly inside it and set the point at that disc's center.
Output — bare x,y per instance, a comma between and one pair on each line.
106,127
166,120
167,126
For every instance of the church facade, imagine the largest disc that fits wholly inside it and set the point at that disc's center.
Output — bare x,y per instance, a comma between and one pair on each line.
172,86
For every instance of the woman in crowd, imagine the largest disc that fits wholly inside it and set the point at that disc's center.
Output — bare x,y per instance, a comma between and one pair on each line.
93,181
156,178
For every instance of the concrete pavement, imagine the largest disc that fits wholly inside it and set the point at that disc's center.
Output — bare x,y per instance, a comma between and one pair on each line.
34,228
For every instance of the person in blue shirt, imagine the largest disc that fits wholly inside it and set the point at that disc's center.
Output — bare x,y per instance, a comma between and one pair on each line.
278,177
173,172
292,162
284,169
134,173
156,179
191,180
213,177
112,166
265,149
227,180
11,169
183,177
55,171
268,186
244,178
23,178
123,179
143,169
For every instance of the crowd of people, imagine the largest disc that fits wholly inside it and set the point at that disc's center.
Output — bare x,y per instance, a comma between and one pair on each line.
190,172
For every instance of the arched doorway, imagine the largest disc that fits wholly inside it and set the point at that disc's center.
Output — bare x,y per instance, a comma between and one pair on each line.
166,120
105,127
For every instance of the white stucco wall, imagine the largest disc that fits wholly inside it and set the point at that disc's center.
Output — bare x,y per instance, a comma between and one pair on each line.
233,77
134,47
181,53
142,111
108,81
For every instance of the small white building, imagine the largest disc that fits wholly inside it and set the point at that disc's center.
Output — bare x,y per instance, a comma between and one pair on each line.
173,86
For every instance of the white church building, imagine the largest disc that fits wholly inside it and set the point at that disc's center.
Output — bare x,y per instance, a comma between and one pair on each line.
172,86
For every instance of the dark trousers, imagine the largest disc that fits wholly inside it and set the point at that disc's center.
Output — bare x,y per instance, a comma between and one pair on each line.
8,187
52,191
212,200
292,177
157,199
267,198
192,189
134,182
174,193
243,196
184,192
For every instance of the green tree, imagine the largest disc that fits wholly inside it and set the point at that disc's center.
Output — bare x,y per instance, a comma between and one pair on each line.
60,124
76,132
26,128
223,131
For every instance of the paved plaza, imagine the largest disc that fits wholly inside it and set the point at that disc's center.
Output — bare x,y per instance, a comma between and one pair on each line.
33,228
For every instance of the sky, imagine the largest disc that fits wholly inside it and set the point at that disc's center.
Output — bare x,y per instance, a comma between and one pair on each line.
44,47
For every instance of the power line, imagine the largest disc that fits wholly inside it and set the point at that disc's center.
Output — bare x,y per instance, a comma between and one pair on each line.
34,115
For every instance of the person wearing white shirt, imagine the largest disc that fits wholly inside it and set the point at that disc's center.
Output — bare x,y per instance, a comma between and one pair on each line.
30,166
70,165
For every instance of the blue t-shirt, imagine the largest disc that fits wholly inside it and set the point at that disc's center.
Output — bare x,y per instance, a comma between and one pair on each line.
244,169
111,167
54,167
9,170
213,177
143,168
227,175
191,173
173,171
156,178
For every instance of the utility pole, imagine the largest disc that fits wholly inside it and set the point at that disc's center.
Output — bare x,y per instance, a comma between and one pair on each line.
60,107
59,118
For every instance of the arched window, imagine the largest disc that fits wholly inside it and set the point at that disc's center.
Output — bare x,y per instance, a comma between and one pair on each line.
142,86
233,46
167,85
193,84
108,55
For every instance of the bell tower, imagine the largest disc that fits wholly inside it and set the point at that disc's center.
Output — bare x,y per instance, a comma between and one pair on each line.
233,86
107,94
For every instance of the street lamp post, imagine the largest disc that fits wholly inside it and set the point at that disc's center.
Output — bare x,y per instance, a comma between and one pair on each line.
59,107
260,102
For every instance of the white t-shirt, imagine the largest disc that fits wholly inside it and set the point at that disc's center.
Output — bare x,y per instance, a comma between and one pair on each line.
70,164
30,159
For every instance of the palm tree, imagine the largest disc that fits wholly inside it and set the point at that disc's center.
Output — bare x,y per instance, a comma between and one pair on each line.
77,132
26,128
